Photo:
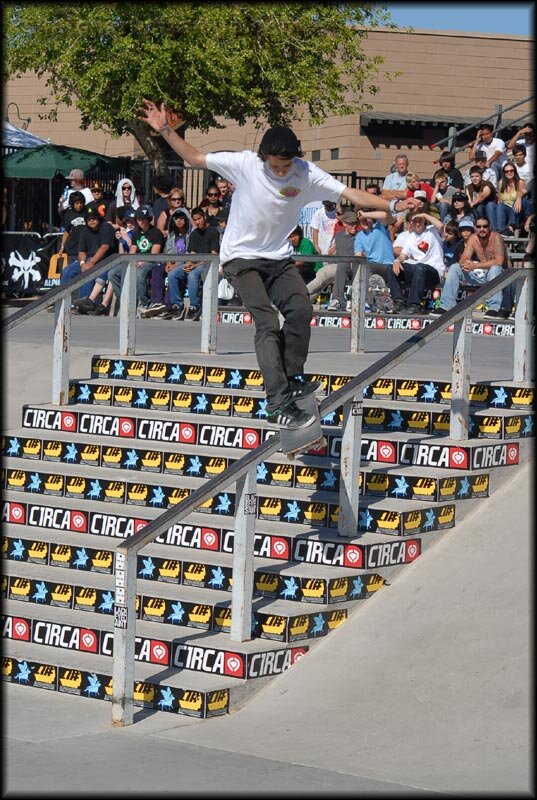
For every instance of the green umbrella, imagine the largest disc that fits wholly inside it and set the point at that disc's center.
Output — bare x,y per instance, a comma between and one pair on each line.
50,159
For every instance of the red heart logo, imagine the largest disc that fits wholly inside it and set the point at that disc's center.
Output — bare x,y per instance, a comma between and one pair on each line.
247,318
233,665
345,322
250,438
88,640
78,521
488,328
16,513
423,246
313,323
187,433
68,422
279,548
297,653
380,323
126,427
139,524
21,629
159,653
353,557
412,551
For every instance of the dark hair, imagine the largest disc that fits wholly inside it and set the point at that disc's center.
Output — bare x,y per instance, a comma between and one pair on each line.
373,186
486,126
440,173
476,169
447,156
452,227
298,231
74,196
172,222
197,212
502,183
279,141
467,212
163,182
519,148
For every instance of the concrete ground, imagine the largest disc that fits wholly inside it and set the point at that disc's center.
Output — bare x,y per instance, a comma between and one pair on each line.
425,690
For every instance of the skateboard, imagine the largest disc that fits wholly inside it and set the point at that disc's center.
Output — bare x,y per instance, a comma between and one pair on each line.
303,439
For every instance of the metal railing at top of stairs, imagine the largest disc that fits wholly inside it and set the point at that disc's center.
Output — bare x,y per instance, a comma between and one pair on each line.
243,471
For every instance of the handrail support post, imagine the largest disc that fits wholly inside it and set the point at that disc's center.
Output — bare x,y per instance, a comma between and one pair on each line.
124,638
349,482
460,378
127,311
243,557
61,351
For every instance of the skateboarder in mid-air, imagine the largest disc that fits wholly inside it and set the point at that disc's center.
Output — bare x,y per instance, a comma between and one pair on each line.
271,186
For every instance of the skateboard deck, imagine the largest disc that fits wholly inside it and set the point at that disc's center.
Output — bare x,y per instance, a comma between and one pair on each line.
303,439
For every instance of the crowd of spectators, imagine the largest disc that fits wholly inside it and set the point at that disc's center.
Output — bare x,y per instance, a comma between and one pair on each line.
455,235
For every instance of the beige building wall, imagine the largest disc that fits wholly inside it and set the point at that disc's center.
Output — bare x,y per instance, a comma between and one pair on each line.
460,75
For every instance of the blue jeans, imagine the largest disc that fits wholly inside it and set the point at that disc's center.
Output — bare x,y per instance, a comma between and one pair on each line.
115,276
456,274
506,215
193,281
71,271
488,210
417,277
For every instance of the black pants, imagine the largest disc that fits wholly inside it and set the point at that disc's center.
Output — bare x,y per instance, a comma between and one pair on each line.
281,354
417,277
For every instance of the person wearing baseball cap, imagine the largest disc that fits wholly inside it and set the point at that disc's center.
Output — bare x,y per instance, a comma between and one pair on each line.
489,174
271,187
97,240
77,183
97,191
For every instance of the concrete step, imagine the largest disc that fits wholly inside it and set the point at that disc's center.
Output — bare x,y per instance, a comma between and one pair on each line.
194,373
185,606
322,510
428,417
202,534
237,435
311,583
90,676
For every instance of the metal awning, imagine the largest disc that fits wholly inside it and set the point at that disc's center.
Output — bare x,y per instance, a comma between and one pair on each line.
429,120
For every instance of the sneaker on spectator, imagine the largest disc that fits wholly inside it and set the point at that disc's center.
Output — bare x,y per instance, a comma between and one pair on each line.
413,308
291,417
333,305
153,310
492,313
194,313
100,311
437,312
399,307
140,310
84,305
179,312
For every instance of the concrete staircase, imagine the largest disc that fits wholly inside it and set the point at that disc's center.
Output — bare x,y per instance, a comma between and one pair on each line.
137,437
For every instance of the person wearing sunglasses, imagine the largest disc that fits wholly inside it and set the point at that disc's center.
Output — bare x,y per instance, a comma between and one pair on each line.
212,205
175,202
513,205
125,198
483,258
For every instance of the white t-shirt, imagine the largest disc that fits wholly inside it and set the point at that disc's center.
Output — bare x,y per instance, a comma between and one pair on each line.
426,248
490,149
530,152
86,191
324,223
265,208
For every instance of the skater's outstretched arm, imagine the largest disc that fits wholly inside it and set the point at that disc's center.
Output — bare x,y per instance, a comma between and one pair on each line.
155,116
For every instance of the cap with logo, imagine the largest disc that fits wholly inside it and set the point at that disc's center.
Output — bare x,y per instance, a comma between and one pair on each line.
480,155
96,186
91,211
420,194
144,212
349,216
459,196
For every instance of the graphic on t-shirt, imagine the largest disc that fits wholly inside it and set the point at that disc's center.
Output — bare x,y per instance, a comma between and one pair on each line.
423,246
143,244
290,191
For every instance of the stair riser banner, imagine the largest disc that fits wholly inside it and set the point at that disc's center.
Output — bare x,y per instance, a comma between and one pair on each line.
284,548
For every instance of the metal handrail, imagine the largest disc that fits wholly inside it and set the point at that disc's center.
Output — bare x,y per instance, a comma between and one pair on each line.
242,472
485,119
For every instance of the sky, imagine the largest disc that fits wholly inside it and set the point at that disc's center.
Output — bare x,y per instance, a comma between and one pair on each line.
490,17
